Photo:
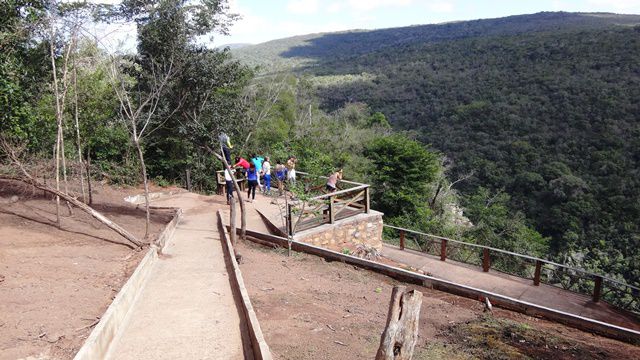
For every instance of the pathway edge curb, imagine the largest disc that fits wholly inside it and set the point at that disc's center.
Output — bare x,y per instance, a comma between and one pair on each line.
259,345
97,345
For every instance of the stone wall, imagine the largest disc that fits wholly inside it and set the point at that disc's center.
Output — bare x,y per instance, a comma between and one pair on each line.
363,229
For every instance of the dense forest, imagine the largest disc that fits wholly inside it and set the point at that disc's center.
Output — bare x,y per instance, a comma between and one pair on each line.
541,111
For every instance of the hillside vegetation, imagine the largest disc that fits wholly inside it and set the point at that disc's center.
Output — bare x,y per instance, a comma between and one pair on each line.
541,109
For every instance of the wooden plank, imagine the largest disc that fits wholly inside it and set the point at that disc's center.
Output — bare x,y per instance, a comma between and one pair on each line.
486,260
367,200
354,199
597,288
443,250
536,275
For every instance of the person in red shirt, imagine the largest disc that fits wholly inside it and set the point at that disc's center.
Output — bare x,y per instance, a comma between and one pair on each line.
241,162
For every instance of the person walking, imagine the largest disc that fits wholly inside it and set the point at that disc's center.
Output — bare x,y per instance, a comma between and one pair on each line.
257,160
252,178
266,171
291,170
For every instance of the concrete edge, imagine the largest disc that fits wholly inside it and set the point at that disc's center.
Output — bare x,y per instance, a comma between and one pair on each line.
97,345
272,227
139,199
576,321
259,346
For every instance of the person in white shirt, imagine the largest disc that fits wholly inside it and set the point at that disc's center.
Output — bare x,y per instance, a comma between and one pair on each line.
266,171
228,179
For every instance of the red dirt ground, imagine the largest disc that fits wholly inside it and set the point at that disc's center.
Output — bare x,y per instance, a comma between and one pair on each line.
311,309
54,284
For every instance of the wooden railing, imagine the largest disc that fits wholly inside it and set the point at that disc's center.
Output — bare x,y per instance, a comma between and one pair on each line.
598,287
304,214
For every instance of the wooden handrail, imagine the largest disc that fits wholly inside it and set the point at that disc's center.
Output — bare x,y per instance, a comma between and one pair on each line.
341,192
533,258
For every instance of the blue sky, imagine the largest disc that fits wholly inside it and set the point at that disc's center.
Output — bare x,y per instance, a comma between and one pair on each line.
264,20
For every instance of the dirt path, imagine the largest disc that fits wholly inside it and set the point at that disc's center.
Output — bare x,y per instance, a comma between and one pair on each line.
187,308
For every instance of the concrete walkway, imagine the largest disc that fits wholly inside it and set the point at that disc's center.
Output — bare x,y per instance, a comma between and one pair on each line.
511,286
187,309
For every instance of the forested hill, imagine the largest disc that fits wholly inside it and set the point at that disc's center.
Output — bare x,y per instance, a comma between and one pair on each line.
544,107
343,45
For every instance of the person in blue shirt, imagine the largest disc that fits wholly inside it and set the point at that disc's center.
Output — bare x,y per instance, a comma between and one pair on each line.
281,175
252,179
257,160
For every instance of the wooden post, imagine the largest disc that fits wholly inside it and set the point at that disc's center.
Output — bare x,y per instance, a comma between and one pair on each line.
401,239
367,200
597,288
189,180
486,261
232,221
289,221
443,250
536,275
332,215
401,332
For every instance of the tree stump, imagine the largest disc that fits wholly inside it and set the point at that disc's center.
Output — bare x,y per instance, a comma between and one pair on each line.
401,332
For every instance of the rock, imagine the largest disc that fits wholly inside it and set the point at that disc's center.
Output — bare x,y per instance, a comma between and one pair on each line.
14,199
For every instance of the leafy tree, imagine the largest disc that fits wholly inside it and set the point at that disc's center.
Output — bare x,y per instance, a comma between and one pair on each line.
497,226
400,174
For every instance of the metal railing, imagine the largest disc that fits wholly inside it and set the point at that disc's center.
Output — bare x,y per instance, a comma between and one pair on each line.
598,287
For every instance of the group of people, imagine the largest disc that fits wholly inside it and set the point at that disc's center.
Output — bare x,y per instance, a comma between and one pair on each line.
258,171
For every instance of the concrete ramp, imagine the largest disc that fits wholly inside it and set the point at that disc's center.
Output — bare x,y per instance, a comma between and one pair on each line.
187,308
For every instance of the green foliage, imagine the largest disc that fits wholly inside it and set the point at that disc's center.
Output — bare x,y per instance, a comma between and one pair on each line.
497,226
401,171
543,106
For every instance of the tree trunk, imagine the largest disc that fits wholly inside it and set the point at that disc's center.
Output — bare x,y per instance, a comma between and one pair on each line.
143,169
95,214
401,333
77,123
64,167
243,213
57,176
89,175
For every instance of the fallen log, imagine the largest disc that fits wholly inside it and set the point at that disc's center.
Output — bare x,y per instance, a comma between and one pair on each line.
401,332
79,204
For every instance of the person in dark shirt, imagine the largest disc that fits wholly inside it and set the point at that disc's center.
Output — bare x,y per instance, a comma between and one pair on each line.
252,178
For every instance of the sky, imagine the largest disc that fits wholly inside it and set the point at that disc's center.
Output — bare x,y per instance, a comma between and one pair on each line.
264,20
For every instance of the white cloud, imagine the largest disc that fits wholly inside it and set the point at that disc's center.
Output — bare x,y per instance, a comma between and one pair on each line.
335,7
440,6
627,6
369,5
302,6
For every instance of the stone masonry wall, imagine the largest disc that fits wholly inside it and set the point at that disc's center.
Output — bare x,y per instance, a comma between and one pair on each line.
360,229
